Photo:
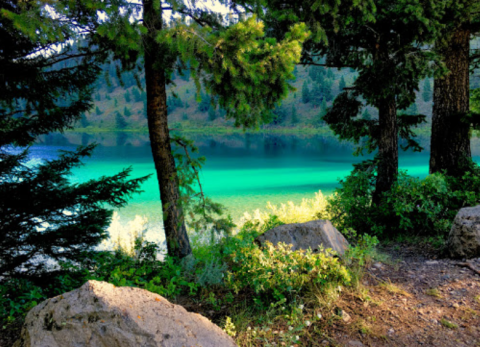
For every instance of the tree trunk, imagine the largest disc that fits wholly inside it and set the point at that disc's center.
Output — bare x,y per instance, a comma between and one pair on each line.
387,169
178,244
450,141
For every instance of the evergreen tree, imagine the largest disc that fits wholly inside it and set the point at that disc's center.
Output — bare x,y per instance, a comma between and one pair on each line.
84,121
120,122
305,93
316,95
372,48
427,91
450,149
98,111
212,115
137,96
204,45
43,215
294,115
279,115
341,84
326,90
411,110
127,112
115,102
127,97
330,74
204,104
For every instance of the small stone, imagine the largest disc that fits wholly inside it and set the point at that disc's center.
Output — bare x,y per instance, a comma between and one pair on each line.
344,315
355,343
431,262
455,305
391,331
378,265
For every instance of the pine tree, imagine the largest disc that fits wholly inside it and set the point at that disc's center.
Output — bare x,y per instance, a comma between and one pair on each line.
120,121
450,148
342,84
43,215
330,74
212,115
127,112
204,104
372,48
188,44
305,93
294,115
427,91
137,96
411,110
98,111
84,121
127,97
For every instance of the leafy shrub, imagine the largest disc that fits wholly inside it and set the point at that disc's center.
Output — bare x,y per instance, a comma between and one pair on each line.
413,206
280,272
166,277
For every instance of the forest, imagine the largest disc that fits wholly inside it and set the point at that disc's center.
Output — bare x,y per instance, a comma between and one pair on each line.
387,257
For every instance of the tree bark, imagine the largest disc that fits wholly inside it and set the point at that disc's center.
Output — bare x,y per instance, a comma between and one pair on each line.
387,169
450,141
178,244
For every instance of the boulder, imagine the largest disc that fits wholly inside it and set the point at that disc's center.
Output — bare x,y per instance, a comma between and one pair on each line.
307,235
464,238
101,315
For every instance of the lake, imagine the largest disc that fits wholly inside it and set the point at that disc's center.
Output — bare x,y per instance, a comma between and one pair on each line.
242,171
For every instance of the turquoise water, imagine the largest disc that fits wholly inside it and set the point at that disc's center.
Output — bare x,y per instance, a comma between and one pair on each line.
243,171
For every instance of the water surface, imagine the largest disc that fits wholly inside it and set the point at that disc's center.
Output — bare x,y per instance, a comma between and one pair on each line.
243,171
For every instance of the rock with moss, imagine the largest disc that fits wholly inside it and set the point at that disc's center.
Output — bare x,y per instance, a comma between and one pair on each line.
101,315
464,238
316,235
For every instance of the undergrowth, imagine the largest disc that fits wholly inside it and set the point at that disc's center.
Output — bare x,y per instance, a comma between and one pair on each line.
261,295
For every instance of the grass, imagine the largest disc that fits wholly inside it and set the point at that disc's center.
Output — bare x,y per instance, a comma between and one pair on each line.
448,324
433,292
393,288
363,327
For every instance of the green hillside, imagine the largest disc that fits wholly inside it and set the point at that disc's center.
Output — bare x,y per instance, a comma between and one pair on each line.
120,107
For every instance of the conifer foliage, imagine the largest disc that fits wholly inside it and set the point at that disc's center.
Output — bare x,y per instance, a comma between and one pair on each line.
244,72
43,90
381,39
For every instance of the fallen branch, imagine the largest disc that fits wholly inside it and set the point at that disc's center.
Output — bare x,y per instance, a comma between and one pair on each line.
470,266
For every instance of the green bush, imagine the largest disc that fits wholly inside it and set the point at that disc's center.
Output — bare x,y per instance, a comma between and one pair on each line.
413,206
279,272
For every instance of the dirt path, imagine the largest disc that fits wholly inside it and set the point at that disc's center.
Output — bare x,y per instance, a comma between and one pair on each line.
416,300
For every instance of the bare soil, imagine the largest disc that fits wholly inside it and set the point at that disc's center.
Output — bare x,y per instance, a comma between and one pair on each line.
415,300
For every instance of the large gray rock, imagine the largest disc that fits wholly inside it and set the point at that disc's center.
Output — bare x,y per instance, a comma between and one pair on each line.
464,238
307,235
101,315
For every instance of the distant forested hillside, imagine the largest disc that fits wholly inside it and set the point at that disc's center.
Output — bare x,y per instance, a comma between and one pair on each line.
120,104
